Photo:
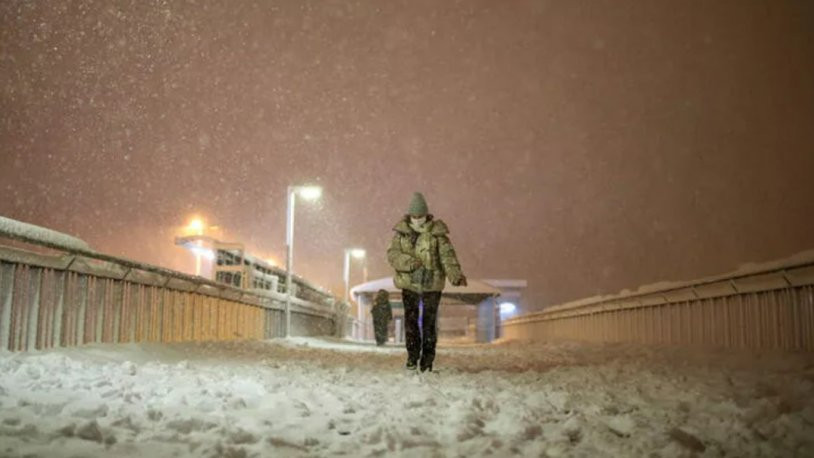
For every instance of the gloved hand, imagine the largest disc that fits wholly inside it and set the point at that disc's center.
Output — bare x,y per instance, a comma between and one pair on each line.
416,264
460,281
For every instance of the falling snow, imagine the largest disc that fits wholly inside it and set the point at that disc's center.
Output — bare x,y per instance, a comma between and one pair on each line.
584,147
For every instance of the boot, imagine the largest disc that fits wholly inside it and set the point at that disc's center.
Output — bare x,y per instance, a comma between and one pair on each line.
411,365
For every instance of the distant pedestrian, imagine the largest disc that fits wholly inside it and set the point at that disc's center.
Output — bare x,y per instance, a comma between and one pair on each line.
423,257
382,314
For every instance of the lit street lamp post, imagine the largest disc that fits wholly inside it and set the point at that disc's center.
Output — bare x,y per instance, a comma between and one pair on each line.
196,226
309,193
358,254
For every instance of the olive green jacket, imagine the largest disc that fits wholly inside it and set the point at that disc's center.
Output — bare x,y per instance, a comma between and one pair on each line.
423,260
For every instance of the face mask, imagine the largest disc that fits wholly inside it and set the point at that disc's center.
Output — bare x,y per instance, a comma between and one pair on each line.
419,221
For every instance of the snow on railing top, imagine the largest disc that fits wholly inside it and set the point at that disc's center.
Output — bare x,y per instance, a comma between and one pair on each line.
31,233
803,260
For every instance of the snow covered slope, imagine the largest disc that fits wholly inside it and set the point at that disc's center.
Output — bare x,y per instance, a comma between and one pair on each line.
307,397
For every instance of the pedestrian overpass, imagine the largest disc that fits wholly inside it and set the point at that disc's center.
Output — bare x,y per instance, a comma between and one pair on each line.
56,291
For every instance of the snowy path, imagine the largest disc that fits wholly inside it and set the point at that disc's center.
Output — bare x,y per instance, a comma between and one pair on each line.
311,397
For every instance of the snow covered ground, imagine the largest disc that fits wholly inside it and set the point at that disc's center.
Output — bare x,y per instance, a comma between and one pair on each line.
311,397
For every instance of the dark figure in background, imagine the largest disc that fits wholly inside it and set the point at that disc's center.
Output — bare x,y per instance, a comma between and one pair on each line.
423,257
382,314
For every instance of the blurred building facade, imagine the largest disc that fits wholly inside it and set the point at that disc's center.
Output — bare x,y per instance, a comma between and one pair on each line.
228,263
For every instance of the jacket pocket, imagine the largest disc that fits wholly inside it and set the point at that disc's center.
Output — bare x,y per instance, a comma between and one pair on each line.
402,280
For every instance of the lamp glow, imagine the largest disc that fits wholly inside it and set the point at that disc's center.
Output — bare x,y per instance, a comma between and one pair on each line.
507,308
357,253
310,192
196,226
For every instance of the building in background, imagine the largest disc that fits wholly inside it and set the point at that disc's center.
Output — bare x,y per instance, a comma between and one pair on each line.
228,263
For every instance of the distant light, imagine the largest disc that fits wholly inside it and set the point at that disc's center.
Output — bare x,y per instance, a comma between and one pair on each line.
196,226
507,308
310,192
271,262
204,252
357,253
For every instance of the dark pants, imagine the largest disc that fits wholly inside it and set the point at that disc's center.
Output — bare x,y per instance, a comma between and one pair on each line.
420,342
380,330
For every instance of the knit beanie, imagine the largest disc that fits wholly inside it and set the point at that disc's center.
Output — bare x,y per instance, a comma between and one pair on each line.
418,206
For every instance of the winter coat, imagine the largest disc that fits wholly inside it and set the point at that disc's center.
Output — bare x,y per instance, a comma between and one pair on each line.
423,260
381,310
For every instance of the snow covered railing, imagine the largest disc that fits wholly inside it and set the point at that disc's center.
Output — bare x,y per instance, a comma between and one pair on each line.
65,294
768,305
19,230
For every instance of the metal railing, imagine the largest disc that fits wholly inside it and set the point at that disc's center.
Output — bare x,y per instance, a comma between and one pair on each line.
55,294
769,307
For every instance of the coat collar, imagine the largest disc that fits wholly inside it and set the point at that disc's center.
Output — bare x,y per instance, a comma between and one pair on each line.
437,227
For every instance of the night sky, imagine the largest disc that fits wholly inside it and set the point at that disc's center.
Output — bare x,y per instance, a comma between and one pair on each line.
586,146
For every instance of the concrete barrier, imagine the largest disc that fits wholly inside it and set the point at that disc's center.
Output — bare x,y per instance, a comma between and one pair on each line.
769,306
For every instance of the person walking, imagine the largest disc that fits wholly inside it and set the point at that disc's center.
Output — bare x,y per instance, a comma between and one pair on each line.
423,257
382,314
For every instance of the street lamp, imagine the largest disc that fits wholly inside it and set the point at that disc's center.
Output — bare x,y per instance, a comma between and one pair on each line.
196,227
308,193
357,253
